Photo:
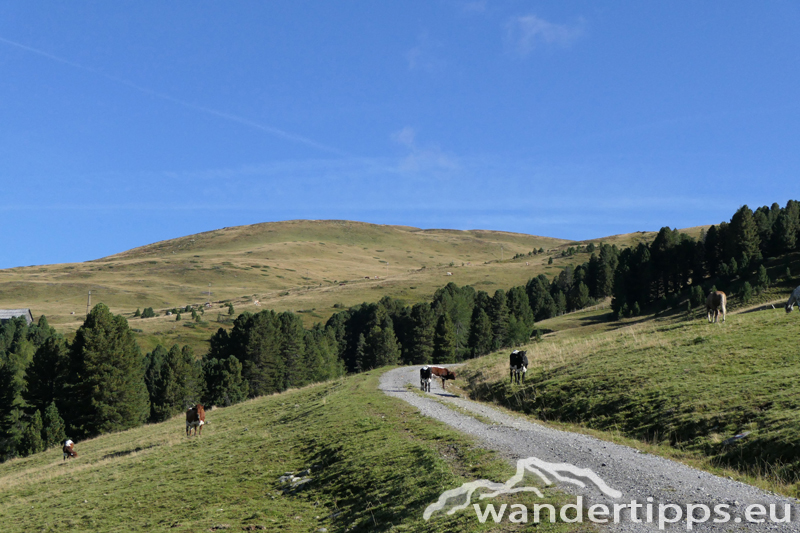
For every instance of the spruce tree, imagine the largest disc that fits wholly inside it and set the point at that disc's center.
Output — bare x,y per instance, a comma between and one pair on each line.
46,374
361,354
32,442
745,234
499,316
263,365
480,333
444,344
153,367
54,432
762,279
106,387
382,343
291,349
224,384
746,292
423,329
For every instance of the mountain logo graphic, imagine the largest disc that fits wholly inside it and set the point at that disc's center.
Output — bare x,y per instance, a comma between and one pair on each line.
456,499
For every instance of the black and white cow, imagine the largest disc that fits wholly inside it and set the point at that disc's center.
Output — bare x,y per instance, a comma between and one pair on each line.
519,365
425,378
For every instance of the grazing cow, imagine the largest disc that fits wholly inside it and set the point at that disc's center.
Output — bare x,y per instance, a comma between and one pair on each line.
195,418
69,450
519,365
793,299
715,303
425,378
442,373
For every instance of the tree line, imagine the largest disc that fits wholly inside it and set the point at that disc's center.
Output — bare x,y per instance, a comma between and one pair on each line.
729,256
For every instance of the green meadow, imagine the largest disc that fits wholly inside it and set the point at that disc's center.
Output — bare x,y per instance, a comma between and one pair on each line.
374,464
675,382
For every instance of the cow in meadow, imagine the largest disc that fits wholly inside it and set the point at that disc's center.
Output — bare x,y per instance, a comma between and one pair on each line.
715,303
518,361
195,418
69,450
443,374
794,298
425,378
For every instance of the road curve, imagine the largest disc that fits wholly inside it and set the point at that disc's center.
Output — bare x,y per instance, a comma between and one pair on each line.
637,475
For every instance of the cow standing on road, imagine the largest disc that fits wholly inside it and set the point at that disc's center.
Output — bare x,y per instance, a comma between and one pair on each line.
519,365
442,373
425,378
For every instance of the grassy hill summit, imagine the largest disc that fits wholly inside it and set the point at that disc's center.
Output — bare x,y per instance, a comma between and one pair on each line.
313,267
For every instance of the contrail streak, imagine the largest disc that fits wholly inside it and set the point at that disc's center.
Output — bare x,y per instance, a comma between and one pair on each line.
221,114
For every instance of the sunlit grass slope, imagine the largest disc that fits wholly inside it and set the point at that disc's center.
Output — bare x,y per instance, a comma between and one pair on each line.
300,265
305,266
685,383
378,465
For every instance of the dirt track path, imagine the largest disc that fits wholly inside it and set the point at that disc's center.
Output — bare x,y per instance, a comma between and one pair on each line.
637,475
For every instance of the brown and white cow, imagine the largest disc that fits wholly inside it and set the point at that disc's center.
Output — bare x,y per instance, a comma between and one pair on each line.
195,418
69,450
443,374
714,304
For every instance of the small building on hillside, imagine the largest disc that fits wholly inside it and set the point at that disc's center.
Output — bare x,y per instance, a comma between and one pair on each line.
8,314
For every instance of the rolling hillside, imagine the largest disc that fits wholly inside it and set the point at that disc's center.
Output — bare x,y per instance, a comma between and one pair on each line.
304,266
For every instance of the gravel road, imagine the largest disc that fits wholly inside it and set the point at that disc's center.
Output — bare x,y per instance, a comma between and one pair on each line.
639,476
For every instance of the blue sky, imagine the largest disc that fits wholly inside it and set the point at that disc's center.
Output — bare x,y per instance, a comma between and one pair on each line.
126,123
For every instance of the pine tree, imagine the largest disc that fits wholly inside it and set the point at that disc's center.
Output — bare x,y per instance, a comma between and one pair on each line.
54,432
224,384
16,354
106,386
444,345
423,328
519,306
762,279
745,234
480,333
361,355
291,348
383,346
518,332
697,296
32,436
747,292
499,316
153,367
263,365
46,374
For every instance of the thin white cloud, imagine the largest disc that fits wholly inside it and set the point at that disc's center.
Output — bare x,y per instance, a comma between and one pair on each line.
277,132
422,159
424,55
526,33
405,137
478,6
